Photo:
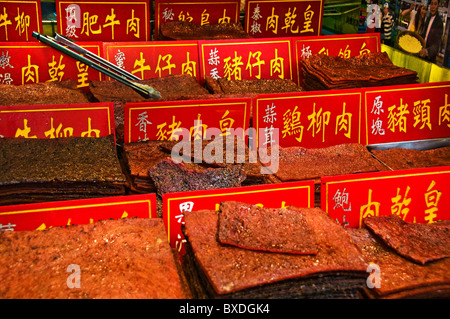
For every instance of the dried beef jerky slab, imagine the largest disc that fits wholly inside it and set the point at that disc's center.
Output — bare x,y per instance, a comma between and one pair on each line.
299,163
421,243
400,277
401,158
253,86
225,271
118,259
223,152
58,169
170,176
64,92
246,226
323,72
184,30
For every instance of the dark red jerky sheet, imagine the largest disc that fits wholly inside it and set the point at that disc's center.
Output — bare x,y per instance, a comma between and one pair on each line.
399,275
230,269
299,163
420,243
246,226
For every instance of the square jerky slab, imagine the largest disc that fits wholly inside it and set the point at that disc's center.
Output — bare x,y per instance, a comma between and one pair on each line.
257,228
420,243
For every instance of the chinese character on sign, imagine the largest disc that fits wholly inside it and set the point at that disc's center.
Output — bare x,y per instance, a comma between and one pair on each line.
422,114
292,124
344,123
318,121
432,197
444,112
142,123
377,127
397,117
119,58
371,209
400,206
341,200
167,14
7,227
270,114
306,52
377,106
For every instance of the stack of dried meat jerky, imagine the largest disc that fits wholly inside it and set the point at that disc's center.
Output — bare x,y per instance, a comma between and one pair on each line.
245,251
323,72
218,163
413,258
37,170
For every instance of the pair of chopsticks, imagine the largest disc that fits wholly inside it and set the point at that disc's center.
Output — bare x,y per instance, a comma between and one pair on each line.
63,44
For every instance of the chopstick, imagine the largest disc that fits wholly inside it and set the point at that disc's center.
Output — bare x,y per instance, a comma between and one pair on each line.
142,89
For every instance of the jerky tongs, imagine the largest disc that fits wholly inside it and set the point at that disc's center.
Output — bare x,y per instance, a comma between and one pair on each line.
90,59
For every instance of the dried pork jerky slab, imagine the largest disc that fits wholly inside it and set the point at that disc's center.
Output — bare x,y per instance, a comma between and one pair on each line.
246,226
170,176
253,86
223,152
420,243
401,158
333,72
299,163
59,169
64,92
184,30
125,258
228,271
400,277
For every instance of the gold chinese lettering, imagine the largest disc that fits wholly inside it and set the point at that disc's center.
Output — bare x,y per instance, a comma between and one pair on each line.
346,53
30,73
422,114
444,112
204,18
133,25
318,121
59,131
226,123
22,23
276,65
344,123
88,23
289,21
83,80
371,209
189,67
198,131
111,21
272,22
400,203
258,62
168,66
233,67
397,117
432,197
56,69
224,18
25,132
308,20
292,124
90,130
139,65
4,22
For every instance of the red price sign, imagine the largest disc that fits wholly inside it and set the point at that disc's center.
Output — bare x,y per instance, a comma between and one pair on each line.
42,216
27,63
246,59
416,195
299,194
186,120
59,120
18,20
309,119
406,113
201,12
345,46
151,59
269,18
110,20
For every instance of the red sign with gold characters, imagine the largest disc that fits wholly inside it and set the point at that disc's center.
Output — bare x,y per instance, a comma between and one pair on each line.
151,59
283,18
104,20
200,12
299,194
246,59
186,120
309,119
345,46
18,20
416,195
27,63
57,120
41,216
406,113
